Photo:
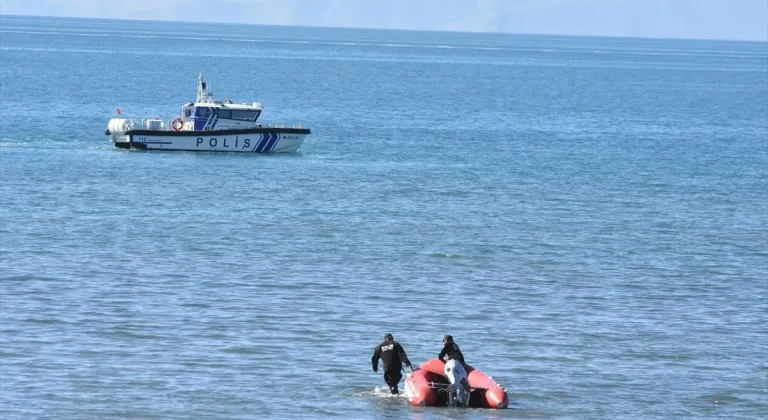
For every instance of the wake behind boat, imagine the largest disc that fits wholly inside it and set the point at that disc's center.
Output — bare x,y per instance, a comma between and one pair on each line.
207,125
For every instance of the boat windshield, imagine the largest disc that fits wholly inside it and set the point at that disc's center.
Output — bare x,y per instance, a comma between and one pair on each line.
224,113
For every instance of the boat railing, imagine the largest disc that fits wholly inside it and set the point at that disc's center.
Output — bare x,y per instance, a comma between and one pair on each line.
155,124
295,126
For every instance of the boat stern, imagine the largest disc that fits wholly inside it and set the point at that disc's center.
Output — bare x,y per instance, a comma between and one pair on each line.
116,130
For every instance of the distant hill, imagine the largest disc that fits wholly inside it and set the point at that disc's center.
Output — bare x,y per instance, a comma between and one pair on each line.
715,19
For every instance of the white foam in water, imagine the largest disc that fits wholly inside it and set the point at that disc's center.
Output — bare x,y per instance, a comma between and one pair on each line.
382,392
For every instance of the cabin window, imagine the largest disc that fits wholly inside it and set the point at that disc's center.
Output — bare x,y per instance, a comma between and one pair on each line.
224,113
203,112
244,115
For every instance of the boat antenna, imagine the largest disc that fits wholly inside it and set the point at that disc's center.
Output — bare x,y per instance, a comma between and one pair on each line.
202,91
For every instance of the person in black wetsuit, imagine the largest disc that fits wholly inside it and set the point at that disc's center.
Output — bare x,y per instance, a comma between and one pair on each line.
452,351
393,357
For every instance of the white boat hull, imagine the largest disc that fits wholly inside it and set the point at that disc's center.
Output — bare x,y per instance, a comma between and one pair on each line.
261,140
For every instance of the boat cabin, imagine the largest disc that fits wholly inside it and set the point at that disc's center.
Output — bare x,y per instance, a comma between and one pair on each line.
207,114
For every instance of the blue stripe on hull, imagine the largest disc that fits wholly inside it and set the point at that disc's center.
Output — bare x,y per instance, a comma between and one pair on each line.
267,142
261,140
263,144
271,146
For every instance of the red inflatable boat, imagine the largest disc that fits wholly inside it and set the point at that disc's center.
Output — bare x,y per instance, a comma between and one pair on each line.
426,386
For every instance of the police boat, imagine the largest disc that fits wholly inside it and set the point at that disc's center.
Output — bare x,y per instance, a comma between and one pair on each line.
207,125
438,383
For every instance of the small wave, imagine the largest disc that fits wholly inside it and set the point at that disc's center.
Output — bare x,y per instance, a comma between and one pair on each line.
195,305
340,370
43,320
31,32
240,350
446,255
12,144
719,398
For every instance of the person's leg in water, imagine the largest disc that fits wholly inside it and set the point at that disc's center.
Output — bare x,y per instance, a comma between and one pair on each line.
392,379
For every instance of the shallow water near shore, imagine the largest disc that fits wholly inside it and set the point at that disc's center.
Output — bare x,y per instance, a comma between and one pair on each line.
586,216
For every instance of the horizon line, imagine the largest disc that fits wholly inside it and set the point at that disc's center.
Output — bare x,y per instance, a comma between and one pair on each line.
762,41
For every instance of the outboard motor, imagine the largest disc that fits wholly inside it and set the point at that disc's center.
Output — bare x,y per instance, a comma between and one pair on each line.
458,392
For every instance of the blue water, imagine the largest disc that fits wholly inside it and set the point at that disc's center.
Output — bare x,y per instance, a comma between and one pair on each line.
587,216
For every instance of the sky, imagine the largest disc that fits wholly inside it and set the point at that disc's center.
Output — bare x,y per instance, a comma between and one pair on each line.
697,19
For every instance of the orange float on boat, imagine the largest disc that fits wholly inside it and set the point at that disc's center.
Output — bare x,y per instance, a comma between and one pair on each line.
427,386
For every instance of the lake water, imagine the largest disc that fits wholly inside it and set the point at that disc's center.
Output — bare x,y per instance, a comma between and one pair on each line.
587,216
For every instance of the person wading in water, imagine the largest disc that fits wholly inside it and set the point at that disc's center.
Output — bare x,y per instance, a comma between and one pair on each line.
393,357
